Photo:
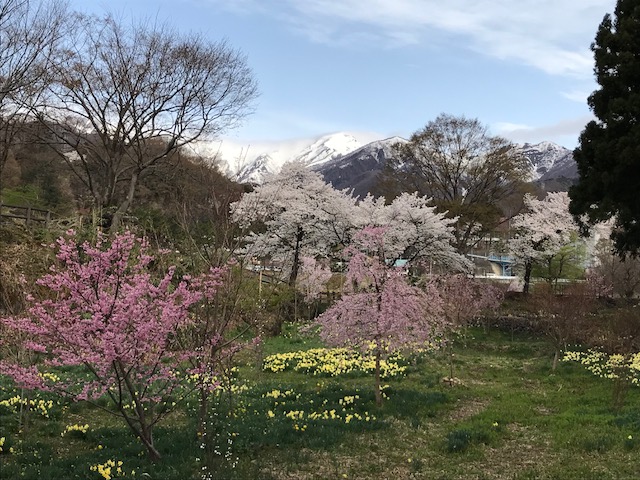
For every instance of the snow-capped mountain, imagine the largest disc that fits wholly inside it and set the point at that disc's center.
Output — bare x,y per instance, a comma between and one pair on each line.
348,162
328,148
552,166
324,149
545,158
359,170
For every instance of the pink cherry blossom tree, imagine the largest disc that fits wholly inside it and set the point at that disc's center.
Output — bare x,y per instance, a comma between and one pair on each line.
312,280
380,310
116,320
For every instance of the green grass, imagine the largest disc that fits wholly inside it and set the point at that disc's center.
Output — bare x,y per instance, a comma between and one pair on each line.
29,195
508,417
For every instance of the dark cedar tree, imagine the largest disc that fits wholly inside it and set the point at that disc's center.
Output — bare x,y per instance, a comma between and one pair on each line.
608,154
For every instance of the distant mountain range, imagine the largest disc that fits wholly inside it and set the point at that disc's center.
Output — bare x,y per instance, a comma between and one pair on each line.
359,170
347,163
553,166
323,150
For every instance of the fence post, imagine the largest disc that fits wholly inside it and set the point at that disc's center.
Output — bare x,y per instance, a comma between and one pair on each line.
29,214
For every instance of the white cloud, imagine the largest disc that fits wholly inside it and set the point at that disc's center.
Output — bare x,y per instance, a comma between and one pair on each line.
503,128
577,95
550,35
232,154
564,132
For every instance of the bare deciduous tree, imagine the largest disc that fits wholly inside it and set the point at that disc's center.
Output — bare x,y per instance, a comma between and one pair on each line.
466,171
621,273
30,32
125,97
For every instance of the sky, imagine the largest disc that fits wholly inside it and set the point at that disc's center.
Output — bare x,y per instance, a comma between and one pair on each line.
380,68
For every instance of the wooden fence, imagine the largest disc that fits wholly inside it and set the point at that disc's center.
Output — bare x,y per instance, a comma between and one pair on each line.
28,214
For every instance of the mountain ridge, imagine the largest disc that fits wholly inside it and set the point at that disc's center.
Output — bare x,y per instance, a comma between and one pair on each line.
347,162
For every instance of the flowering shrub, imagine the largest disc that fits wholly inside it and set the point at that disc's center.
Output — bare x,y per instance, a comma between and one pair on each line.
623,370
111,314
331,362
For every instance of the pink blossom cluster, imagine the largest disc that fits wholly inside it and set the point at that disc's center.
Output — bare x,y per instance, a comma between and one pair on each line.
464,298
379,305
109,312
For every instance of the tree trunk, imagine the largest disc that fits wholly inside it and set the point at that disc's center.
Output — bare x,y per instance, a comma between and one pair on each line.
124,205
144,433
204,405
296,258
620,388
556,357
378,390
451,363
147,438
145,430
528,267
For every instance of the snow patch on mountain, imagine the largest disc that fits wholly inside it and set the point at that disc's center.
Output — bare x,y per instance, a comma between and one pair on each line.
359,170
320,151
251,162
328,148
544,157
374,153
236,158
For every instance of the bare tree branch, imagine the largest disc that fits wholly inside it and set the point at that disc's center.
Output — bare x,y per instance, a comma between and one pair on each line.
464,169
30,32
125,97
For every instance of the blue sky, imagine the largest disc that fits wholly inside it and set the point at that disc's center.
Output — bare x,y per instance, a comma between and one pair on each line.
387,67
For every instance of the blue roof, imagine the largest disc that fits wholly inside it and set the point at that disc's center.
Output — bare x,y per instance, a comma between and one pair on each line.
401,262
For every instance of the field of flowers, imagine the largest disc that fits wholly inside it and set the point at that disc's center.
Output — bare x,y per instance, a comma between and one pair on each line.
310,413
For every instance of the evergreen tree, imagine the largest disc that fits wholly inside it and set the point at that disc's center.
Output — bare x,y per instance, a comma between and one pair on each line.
608,155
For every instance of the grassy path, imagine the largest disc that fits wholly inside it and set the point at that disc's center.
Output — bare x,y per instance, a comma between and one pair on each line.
507,416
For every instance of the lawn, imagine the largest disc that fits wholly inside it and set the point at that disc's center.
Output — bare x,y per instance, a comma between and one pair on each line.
506,415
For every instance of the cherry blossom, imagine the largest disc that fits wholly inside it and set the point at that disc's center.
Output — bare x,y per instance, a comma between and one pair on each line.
109,314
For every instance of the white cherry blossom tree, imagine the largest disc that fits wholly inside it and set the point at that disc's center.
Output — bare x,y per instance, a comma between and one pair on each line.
542,231
413,230
294,213
313,278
